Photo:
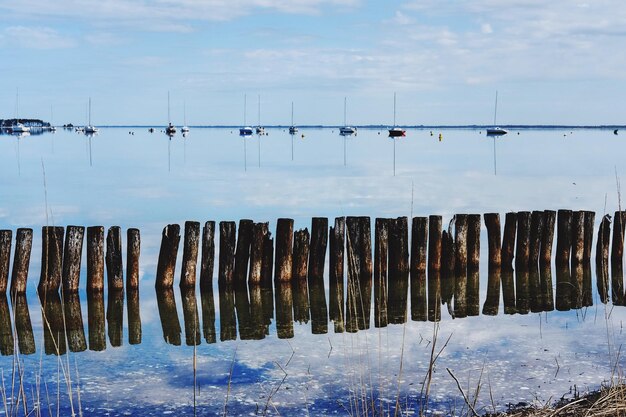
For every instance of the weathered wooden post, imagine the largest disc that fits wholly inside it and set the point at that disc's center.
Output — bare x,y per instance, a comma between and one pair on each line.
536,233
208,258
51,259
336,267
267,270
617,255
460,265
23,325
508,241
317,259
242,253
522,249
602,258
74,327
95,320
448,278
434,268
227,253
590,219
381,254
190,255
21,260
398,279
494,242
259,232
284,250
113,257
168,316
419,260
473,265
133,250
72,255
299,269
547,238
134,317
578,238
5,258
95,259
564,238
170,238
359,256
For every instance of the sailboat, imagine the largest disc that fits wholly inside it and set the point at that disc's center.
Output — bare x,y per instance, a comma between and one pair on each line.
185,128
292,129
52,127
496,131
170,130
346,130
260,130
395,132
246,130
18,127
89,129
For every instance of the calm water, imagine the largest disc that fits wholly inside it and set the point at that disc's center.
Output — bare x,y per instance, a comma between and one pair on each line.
146,181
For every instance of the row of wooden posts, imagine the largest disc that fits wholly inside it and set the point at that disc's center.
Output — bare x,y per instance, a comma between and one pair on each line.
246,255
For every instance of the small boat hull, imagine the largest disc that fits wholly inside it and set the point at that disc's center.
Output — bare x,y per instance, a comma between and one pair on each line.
293,130
496,131
347,131
397,133
245,131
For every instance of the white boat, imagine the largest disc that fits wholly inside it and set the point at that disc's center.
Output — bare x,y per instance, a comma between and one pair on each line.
346,130
18,127
260,130
246,130
90,129
496,131
395,132
185,128
170,130
292,129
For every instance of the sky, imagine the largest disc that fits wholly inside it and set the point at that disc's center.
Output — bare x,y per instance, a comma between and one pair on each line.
556,62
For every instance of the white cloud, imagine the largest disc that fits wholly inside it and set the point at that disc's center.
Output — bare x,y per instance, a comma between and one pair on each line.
36,38
486,28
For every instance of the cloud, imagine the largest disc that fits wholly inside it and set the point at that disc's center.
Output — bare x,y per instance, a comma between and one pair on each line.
36,38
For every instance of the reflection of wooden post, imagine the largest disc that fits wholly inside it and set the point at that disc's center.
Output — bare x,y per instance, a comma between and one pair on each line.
578,238
536,232
259,233
190,315
168,315
398,279
492,301
190,255
115,316
359,255
95,259
447,279
267,270
227,253
284,317
242,253
6,329
134,317
419,260
508,291
336,266
208,257
590,218
72,255
23,325
208,315
74,328
5,258
492,222
133,249
564,238
434,267
522,249
545,277
170,238
547,237
54,330
95,322
284,249
51,259
21,260
115,271
563,287
617,284
602,258
508,241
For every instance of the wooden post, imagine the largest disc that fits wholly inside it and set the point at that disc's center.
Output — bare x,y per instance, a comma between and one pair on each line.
51,259
115,316
170,238
190,313
23,325
359,273
398,279
602,258
284,250
590,219
419,242
21,260
74,327
190,255
267,270
547,237
115,269
242,253
259,232
227,253
317,259
564,238
494,242
95,259
536,233
208,258
134,317
133,249
448,278
168,316
5,258
95,322
72,255
473,265
300,255
381,253
434,268
508,241
460,265
578,238
336,280
617,249
522,249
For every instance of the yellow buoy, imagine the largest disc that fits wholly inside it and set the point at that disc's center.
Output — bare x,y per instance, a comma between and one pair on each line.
440,137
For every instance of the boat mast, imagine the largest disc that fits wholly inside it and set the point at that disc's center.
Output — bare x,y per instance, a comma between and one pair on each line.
245,104
168,108
292,113
394,109
184,113
17,105
259,110
495,112
344,110
89,111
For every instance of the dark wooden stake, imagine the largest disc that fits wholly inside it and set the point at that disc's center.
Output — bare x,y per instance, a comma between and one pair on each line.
95,259
208,258
590,219
460,265
133,250
51,259
419,260
284,249
336,267
494,240
536,233
242,253
190,255
259,232
602,258
547,237
21,260
398,279
115,269
227,253
381,254
71,259
434,267
508,241
170,238
6,236
317,259
522,249
578,238
564,238
300,256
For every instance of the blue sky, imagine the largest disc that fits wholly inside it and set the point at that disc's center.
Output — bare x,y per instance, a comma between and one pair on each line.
552,62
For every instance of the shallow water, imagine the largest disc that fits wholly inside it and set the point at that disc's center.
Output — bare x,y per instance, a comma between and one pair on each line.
146,181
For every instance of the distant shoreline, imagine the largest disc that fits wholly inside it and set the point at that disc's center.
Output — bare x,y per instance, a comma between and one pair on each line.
381,127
